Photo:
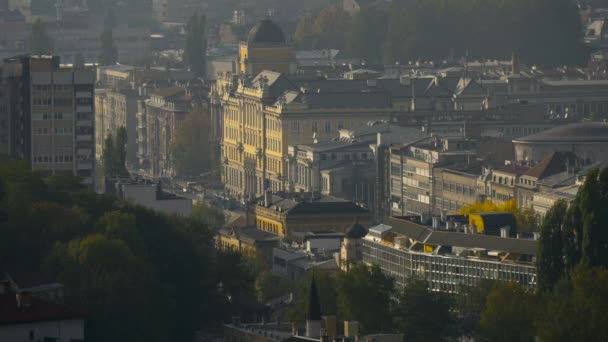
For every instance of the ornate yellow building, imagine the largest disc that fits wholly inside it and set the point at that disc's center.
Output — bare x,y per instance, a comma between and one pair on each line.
261,112
265,49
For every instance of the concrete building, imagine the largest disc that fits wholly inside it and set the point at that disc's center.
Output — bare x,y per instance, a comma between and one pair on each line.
447,259
248,241
287,214
413,179
158,119
49,115
588,140
346,166
151,195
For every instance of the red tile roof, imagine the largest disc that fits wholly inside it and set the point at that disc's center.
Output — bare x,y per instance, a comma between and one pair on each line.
38,311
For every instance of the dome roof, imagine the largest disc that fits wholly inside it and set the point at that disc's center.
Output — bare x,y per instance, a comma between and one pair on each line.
265,32
356,231
577,132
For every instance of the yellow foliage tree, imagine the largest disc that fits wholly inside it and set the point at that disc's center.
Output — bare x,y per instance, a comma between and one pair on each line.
527,219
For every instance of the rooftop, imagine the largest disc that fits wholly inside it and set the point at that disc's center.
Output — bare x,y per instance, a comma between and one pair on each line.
575,133
37,311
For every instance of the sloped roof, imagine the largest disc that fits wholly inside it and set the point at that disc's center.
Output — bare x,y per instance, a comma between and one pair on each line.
553,164
427,235
576,133
512,169
38,311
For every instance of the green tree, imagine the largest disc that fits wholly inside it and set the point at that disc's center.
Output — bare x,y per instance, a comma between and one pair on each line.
195,51
114,154
79,60
368,34
109,53
509,314
109,156
326,288
39,41
120,151
550,262
208,215
423,314
269,286
358,293
190,148
470,303
576,310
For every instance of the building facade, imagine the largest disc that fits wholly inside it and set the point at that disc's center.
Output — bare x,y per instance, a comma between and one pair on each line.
447,259
50,116
414,180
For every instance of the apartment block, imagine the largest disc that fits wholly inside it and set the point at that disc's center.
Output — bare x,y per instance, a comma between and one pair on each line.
48,119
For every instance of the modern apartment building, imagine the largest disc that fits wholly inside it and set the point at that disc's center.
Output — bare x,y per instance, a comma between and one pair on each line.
447,258
49,115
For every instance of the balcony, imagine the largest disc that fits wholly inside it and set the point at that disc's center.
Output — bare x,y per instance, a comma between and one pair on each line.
84,123
84,109
85,165
84,94
88,137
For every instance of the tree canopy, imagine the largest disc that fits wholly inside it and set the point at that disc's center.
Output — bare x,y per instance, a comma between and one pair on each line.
195,51
115,154
39,41
191,149
542,32
140,275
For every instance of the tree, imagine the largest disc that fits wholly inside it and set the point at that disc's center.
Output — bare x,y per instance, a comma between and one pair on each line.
79,60
368,33
195,51
326,288
114,154
108,157
120,150
208,215
329,29
190,148
358,293
527,219
550,262
576,310
423,314
109,53
470,303
270,285
509,314
39,41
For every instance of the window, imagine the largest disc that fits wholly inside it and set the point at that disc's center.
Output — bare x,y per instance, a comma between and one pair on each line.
327,126
314,127
295,127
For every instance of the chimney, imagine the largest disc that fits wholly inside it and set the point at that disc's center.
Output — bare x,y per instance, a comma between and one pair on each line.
267,199
515,68
24,300
504,232
351,328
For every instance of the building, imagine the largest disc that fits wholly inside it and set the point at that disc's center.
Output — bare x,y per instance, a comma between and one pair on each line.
296,264
248,241
533,179
115,109
414,179
447,259
151,195
266,49
502,184
588,140
32,309
346,166
158,119
49,115
287,214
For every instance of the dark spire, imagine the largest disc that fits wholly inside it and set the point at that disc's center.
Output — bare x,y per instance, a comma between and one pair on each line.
314,307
